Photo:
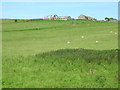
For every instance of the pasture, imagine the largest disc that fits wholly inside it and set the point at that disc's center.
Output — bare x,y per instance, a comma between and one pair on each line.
59,54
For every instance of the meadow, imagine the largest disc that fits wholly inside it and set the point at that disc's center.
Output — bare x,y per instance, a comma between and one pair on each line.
59,54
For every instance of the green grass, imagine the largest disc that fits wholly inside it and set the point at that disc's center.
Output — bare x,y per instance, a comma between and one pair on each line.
55,35
63,68
36,54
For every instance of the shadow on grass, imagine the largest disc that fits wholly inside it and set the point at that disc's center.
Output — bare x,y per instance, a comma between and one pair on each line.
87,54
73,68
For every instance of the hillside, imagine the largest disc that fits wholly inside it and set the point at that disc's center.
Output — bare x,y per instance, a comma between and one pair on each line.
29,38
60,54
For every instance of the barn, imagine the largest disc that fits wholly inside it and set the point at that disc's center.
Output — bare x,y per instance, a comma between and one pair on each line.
51,17
83,17
56,17
64,18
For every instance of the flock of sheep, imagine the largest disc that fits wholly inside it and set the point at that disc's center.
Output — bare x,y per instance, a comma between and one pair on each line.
68,42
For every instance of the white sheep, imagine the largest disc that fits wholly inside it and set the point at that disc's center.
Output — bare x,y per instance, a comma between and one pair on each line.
96,41
68,42
110,31
115,33
82,36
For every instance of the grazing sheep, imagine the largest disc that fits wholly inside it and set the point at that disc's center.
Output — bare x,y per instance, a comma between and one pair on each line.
110,31
68,42
82,36
115,33
96,41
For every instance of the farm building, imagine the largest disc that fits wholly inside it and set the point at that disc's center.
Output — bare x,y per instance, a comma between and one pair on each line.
64,18
56,17
83,17
101,21
51,17
113,19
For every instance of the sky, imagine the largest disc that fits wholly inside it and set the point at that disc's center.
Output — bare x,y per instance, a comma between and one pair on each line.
27,10
60,0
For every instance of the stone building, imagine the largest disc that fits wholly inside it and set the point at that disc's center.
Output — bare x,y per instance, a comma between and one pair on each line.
63,18
83,17
56,17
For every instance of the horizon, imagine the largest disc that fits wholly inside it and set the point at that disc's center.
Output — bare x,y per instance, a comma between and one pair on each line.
34,10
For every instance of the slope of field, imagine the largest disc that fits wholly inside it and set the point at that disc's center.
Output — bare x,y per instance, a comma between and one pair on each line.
48,54
62,69
30,38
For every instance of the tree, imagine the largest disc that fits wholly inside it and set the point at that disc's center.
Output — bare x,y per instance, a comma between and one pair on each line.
110,19
107,19
15,20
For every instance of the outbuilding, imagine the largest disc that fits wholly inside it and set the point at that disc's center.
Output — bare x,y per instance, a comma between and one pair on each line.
83,17
63,18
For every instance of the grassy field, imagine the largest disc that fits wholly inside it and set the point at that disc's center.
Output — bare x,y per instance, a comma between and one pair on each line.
60,54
